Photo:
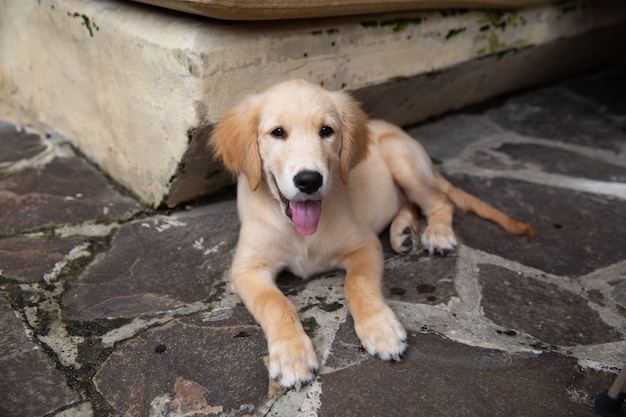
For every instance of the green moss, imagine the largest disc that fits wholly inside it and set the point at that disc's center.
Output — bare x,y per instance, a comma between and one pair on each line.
544,346
331,31
306,308
495,46
322,305
218,291
502,20
310,326
573,6
398,78
88,23
370,24
330,307
190,133
596,296
181,168
453,12
453,32
402,23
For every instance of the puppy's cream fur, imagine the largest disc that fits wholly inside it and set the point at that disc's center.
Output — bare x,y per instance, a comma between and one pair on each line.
372,174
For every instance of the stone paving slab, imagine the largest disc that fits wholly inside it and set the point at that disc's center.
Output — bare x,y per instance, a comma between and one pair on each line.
30,384
134,277
549,313
111,309
580,121
439,377
196,352
587,228
28,258
43,185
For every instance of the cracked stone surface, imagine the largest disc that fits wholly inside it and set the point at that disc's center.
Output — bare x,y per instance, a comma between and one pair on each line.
551,314
108,308
535,114
134,277
64,190
29,258
439,377
425,280
200,351
570,242
30,384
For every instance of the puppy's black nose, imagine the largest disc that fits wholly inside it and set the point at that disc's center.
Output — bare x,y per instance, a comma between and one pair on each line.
308,181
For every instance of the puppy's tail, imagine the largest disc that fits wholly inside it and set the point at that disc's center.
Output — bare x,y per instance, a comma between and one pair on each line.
469,203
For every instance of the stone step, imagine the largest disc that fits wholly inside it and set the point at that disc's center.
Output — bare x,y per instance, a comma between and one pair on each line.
137,88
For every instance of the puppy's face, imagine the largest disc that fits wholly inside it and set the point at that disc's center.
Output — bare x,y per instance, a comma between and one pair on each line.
298,138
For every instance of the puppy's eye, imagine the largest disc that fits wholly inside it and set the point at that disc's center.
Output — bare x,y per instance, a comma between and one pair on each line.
279,133
326,131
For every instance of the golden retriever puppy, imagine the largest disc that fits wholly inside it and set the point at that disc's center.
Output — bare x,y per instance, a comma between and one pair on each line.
317,182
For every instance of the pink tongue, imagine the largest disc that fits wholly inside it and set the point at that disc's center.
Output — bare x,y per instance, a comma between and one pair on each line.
305,215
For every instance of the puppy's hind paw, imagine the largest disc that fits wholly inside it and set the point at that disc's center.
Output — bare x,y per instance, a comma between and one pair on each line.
438,238
403,243
403,234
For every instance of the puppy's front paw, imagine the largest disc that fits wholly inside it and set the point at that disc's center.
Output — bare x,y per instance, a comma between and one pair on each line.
438,238
382,335
292,361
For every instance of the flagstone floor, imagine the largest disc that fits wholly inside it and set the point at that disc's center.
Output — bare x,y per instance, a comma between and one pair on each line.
108,308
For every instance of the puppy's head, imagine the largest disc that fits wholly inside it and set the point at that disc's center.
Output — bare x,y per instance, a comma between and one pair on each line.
297,137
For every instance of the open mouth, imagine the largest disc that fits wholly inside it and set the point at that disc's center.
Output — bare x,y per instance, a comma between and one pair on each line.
304,214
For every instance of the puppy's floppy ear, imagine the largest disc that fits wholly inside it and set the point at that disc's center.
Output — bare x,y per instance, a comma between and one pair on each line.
234,141
355,134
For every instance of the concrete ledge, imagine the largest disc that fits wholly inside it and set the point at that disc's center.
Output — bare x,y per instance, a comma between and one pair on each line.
136,88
